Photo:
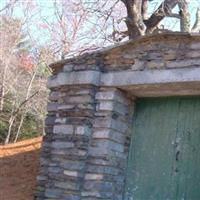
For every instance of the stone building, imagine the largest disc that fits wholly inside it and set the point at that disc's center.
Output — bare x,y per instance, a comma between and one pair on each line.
124,123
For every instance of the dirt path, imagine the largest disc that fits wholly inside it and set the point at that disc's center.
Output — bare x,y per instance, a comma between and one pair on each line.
18,169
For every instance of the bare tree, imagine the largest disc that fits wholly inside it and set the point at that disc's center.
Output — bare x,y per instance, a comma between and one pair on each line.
14,115
65,29
140,19
10,37
27,97
139,24
8,5
20,74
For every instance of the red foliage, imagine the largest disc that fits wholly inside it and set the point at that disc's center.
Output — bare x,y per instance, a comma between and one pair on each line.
26,62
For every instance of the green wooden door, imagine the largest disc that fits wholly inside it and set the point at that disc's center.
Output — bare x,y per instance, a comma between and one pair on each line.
164,158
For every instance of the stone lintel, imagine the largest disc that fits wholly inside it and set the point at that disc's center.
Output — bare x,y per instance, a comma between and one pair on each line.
129,78
74,78
153,83
184,81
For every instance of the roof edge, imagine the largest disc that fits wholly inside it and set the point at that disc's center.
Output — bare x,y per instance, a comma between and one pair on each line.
107,49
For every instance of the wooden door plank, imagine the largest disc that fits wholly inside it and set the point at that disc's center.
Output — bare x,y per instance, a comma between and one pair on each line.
152,150
188,183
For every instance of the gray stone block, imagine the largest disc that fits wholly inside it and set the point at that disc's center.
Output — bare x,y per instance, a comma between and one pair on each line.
74,78
61,145
52,106
67,185
99,186
76,165
63,129
83,130
70,197
53,193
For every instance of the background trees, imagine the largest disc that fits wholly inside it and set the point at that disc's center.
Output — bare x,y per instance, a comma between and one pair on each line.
34,34
22,81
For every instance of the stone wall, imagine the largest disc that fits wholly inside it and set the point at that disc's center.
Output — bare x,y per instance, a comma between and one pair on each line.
163,51
90,109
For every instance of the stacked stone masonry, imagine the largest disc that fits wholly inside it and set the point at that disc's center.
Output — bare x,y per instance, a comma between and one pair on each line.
90,112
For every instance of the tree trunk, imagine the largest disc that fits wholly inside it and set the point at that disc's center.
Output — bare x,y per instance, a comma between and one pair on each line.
19,127
43,128
134,20
144,9
11,122
185,16
2,97
3,88
26,99
196,27
137,22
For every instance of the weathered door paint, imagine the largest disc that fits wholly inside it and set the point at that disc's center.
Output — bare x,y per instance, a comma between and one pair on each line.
164,158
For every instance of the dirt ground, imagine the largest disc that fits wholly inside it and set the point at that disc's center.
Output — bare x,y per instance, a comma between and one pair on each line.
18,169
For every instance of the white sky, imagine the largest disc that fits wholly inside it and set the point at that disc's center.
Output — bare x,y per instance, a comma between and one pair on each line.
46,11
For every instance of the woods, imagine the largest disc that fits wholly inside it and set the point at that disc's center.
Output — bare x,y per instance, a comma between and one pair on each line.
23,84
33,35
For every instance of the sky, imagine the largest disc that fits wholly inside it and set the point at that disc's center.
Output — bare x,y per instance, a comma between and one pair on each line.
36,27
47,10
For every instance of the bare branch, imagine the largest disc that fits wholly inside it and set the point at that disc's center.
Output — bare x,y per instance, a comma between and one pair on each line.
8,5
164,10
118,36
174,15
196,27
24,102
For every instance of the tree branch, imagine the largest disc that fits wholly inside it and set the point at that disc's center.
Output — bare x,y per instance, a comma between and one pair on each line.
144,9
8,5
118,36
163,10
24,102
174,15
196,27
184,16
